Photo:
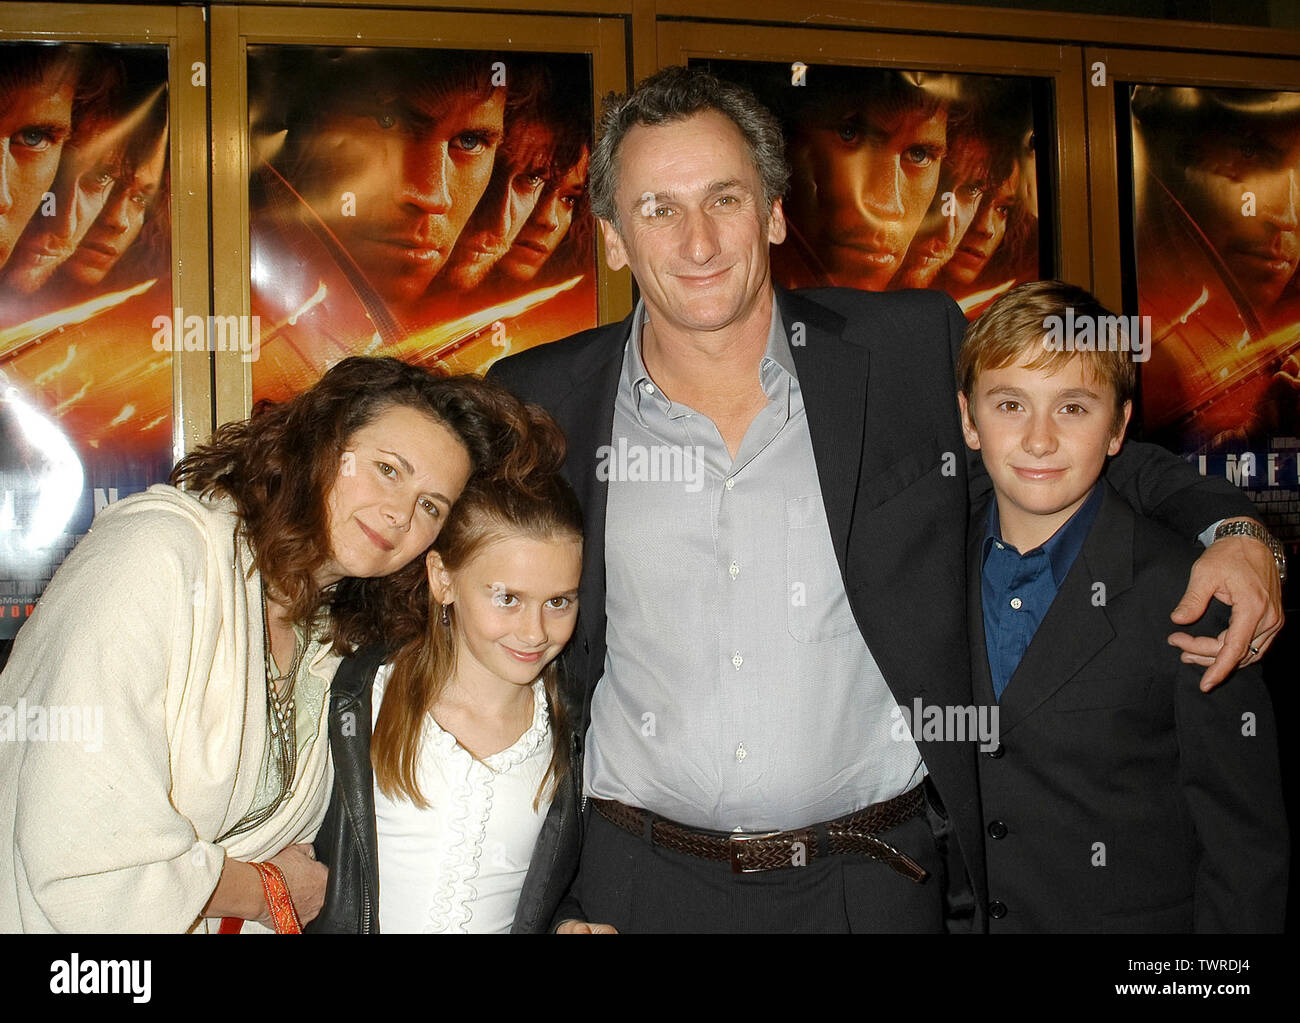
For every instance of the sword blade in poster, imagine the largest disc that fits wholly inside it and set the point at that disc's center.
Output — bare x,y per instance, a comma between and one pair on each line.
15,339
974,304
449,338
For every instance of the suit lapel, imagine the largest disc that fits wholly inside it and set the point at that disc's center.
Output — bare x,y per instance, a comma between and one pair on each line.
981,677
833,379
587,415
1078,624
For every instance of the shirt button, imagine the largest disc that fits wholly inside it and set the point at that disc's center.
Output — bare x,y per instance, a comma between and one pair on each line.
737,660
998,546
734,570
1015,603
741,753
730,484
648,388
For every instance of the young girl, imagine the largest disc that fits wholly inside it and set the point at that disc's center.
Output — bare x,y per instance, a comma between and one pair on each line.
460,812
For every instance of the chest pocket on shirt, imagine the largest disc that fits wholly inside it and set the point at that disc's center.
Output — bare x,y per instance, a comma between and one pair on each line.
817,606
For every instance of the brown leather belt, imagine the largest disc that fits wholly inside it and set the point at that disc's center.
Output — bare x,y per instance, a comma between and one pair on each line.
775,850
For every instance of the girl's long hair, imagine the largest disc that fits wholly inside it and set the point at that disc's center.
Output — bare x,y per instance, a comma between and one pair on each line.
279,466
536,503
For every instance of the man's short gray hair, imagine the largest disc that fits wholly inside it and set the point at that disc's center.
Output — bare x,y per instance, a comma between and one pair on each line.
674,94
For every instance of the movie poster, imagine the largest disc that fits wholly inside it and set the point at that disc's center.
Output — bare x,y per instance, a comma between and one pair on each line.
1216,193
85,257
908,179
428,205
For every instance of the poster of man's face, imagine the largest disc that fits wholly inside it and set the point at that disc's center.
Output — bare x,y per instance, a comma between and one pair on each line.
37,87
85,395
904,179
1216,189
427,206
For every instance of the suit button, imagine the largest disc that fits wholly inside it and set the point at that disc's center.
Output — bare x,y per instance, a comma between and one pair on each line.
997,829
997,910
995,752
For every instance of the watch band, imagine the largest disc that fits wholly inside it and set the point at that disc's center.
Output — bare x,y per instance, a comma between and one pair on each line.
1254,529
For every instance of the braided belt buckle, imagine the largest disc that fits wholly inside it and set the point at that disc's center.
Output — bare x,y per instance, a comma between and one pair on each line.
740,846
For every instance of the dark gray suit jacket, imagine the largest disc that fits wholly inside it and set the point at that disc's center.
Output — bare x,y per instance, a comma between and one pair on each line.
1121,798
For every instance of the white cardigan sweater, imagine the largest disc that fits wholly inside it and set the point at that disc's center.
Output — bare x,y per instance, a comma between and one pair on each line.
152,626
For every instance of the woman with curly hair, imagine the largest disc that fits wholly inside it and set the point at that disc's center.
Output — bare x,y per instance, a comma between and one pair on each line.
189,635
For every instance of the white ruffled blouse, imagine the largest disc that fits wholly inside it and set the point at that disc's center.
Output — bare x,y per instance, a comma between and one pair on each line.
458,865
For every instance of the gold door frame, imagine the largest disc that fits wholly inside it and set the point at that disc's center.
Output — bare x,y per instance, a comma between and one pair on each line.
976,25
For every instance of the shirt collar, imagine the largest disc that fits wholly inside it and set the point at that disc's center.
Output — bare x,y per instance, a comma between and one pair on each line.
635,377
1064,545
775,370
778,344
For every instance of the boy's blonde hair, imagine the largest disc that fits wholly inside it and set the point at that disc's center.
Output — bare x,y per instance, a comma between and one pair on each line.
1015,329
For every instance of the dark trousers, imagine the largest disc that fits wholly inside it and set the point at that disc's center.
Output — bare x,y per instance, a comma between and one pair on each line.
626,881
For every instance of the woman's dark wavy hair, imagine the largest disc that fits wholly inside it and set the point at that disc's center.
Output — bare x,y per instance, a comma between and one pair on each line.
279,466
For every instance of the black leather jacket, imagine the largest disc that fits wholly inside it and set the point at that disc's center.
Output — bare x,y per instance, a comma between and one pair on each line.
347,841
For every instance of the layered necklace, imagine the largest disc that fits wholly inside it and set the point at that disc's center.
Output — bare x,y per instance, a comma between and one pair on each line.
280,708
281,723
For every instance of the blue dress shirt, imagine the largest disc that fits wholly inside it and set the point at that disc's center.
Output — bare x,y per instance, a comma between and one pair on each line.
1017,589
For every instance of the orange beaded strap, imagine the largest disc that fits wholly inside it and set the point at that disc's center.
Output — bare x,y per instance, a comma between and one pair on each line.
283,915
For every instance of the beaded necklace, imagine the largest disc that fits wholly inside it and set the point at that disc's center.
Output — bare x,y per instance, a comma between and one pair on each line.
280,722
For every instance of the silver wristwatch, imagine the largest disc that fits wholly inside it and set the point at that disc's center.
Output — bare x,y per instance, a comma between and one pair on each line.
1259,533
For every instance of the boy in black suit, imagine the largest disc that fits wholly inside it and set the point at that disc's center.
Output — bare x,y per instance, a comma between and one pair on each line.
1118,797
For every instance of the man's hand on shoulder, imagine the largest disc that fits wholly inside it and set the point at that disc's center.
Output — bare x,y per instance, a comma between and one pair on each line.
1239,571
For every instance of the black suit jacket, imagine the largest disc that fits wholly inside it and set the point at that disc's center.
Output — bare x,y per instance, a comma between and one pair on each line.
1120,797
876,373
